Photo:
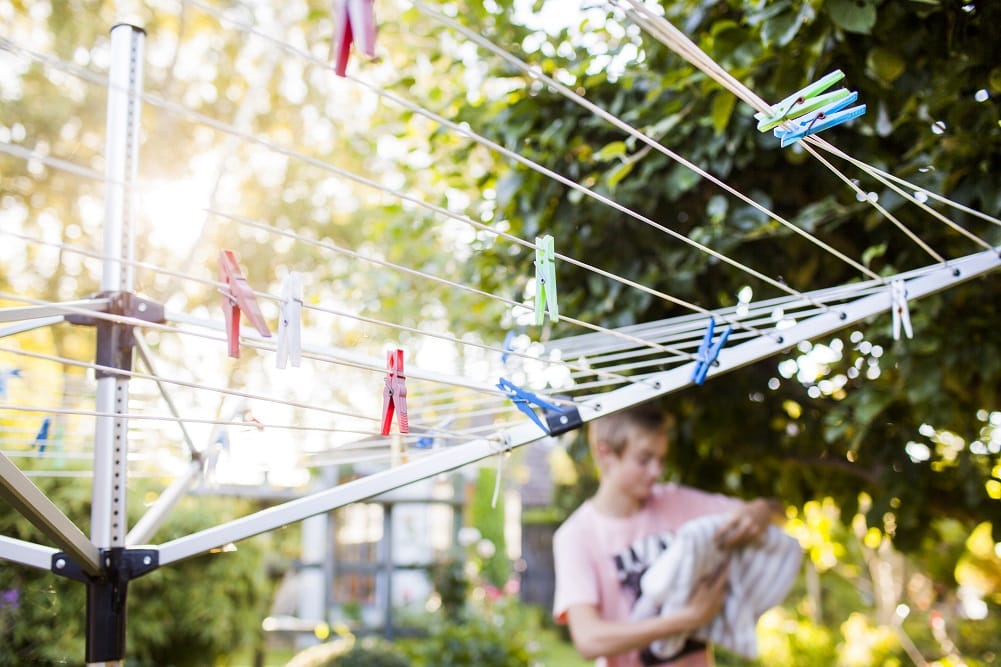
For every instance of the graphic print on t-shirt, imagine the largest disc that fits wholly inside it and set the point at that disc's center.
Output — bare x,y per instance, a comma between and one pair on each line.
631,564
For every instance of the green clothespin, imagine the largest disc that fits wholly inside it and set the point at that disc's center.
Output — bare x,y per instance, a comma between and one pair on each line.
545,280
803,102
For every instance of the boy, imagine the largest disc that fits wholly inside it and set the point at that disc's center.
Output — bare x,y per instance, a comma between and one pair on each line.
602,550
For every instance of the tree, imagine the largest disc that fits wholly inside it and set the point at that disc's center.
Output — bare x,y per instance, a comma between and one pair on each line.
794,439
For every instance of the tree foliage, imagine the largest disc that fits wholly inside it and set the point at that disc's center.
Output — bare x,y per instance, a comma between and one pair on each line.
924,70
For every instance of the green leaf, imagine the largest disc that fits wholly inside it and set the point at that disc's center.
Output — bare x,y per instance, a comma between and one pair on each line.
853,15
872,252
723,104
615,175
885,63
616,149
716,208
782,28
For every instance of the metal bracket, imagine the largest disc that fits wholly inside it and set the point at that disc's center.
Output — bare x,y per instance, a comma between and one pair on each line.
567,419
114,340
106,596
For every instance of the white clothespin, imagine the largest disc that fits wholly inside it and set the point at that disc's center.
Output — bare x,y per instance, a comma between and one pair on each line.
290,322
901,314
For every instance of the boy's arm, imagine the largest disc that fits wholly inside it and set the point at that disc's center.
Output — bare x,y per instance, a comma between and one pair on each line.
749,523
595,637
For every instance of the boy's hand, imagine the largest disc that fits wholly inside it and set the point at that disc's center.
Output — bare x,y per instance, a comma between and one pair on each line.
708,595
747,525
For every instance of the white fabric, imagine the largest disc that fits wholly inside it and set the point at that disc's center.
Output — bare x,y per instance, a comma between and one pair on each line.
760,576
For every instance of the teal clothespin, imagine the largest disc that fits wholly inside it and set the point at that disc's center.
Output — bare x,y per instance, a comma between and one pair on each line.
545,280
802,102
822,119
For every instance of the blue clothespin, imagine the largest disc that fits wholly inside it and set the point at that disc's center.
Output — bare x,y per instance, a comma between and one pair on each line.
802,102
4,376
827,117
43,435
508,347
708,351
559,419
545,280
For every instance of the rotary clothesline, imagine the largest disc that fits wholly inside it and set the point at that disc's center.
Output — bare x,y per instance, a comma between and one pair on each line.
579,372
588,371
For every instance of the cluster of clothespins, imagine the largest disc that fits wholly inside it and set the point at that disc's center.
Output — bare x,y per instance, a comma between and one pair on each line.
238,298
810,110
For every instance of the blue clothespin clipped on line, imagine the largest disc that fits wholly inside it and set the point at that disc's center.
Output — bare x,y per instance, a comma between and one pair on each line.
816,110
708,351
5,374
545,280
558,419
43,435
827,117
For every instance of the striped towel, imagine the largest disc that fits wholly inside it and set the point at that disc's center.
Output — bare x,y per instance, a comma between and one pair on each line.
761,574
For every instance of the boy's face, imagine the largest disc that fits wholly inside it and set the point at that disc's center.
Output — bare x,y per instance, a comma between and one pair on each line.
640,465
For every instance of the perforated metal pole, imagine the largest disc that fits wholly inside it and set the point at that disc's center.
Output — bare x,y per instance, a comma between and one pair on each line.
121,168
106,597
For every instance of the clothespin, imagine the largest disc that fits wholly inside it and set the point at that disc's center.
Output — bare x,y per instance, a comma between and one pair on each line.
394,396
508,347
250,420
802,102
898,306
239,296
822,119
290,322
545,280
5,375
558,419
354,21
42,439
708,351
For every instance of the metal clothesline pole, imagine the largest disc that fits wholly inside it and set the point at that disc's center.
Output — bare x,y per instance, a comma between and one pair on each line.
106,596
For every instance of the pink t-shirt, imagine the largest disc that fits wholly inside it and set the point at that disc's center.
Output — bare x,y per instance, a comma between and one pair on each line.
600,559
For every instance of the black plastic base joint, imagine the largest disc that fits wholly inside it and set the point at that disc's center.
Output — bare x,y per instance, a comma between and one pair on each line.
107,595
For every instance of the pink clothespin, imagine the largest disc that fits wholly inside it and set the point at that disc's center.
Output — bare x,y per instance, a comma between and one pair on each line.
394,396
354,20
238,296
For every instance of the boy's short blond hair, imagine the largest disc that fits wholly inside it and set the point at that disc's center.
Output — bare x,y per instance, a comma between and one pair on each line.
614,431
